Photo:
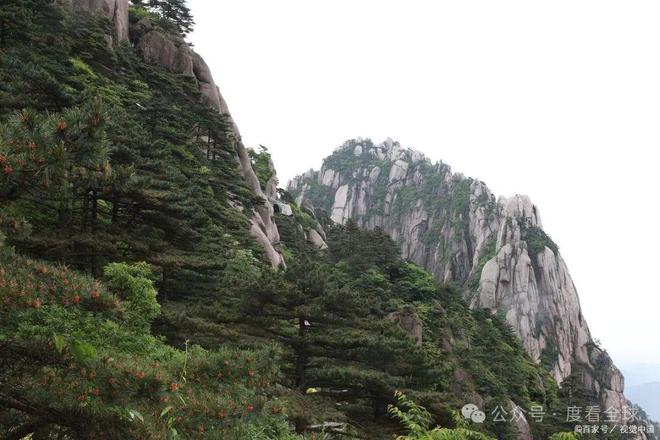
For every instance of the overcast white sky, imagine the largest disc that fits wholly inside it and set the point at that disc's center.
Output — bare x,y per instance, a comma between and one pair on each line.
559,100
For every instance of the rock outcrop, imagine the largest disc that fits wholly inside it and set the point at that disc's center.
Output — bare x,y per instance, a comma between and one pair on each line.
166,50
172,52
455,228
115,10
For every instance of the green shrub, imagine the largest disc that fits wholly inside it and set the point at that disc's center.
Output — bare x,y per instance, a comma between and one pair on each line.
132,284
417,421
537,240
489,251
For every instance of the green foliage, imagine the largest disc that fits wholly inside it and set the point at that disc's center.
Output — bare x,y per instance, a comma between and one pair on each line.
487,253
320,196
332,312
241,270
344,160
261,164
549,357
303,218
360,250
417,422
57,159
413,417
565,436
144,172
115,168
174,15
65,350
415,284
537,240
132,284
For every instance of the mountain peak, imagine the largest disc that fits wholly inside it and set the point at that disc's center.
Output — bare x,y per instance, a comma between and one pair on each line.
456,228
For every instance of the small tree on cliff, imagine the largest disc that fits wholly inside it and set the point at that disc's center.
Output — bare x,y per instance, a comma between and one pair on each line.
173,11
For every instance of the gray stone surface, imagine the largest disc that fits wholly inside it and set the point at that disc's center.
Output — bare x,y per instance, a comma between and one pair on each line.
535,292
115,10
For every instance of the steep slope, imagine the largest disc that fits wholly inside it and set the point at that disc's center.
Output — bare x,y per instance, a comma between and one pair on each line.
456,228
172,52
110,154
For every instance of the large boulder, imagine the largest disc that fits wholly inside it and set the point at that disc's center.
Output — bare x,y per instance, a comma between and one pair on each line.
168,51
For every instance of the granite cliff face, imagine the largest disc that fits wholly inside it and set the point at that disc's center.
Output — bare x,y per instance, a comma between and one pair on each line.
115,10
460,232
171,51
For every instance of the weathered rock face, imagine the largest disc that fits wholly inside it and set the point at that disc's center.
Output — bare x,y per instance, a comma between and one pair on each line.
159,48
177,56
455,228
115,10
173,53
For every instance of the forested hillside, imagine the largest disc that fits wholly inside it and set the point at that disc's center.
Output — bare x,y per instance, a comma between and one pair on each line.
494,248
140,291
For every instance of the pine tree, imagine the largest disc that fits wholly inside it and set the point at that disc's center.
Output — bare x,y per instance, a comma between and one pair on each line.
174,177
339,341
175,12
58,165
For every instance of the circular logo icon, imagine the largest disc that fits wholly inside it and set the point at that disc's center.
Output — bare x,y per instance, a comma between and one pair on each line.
478,416
468,409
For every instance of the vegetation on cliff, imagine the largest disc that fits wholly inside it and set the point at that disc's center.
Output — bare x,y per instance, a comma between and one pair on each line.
134,304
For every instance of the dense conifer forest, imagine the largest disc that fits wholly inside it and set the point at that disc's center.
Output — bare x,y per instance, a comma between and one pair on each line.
135,304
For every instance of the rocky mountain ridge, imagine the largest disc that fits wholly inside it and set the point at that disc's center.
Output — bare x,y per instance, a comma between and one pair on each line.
451,225
460,232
